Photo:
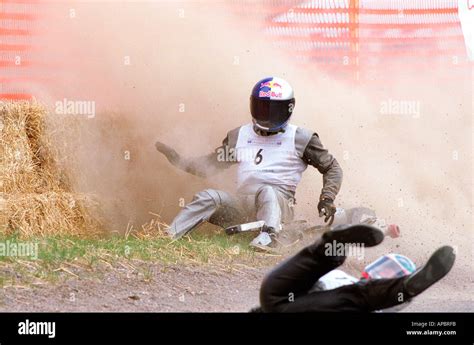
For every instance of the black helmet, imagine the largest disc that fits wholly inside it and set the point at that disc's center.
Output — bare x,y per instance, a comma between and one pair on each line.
271,104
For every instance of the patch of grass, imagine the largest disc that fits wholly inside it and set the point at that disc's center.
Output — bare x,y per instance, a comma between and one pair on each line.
54,256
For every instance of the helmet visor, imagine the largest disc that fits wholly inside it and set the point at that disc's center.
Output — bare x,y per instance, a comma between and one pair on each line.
271,114
385,267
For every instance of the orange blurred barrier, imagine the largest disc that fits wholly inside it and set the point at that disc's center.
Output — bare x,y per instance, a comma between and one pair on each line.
17,29
366,34
349,39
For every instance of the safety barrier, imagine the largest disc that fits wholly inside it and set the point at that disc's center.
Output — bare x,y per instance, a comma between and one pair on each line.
359,39
363,38
18,48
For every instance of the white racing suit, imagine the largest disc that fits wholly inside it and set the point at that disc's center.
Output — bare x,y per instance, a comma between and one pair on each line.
269,204
269,170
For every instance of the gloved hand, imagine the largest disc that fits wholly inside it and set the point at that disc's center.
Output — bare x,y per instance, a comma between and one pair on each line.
170,153
326,208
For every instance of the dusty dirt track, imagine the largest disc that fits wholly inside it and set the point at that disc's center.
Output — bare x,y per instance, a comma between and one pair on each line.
143,286
183,289
171,289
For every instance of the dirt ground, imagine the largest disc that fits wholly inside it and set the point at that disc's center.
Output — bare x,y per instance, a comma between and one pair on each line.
161,289
145,286
148,287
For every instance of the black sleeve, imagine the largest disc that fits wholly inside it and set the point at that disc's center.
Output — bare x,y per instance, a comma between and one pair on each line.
316,155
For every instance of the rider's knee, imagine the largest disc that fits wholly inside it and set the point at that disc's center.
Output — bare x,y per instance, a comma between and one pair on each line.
266,194
210,195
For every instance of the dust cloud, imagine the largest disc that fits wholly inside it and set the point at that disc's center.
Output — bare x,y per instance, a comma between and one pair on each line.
182,73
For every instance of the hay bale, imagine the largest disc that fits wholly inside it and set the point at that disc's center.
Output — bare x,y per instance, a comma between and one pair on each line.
49,213
36,197
26,153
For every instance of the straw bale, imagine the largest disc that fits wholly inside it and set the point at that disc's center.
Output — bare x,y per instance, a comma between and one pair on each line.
50,213
35,193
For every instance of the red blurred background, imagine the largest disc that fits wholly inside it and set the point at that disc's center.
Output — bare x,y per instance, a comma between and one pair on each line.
352,40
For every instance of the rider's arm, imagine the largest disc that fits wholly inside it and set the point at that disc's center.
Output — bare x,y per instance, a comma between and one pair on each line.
313,152
207,165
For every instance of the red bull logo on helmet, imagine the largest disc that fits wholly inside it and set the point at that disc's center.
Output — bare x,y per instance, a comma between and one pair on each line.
273,93
270,84
270,93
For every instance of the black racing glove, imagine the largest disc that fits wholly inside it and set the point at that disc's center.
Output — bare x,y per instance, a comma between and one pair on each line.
170,153
326,208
